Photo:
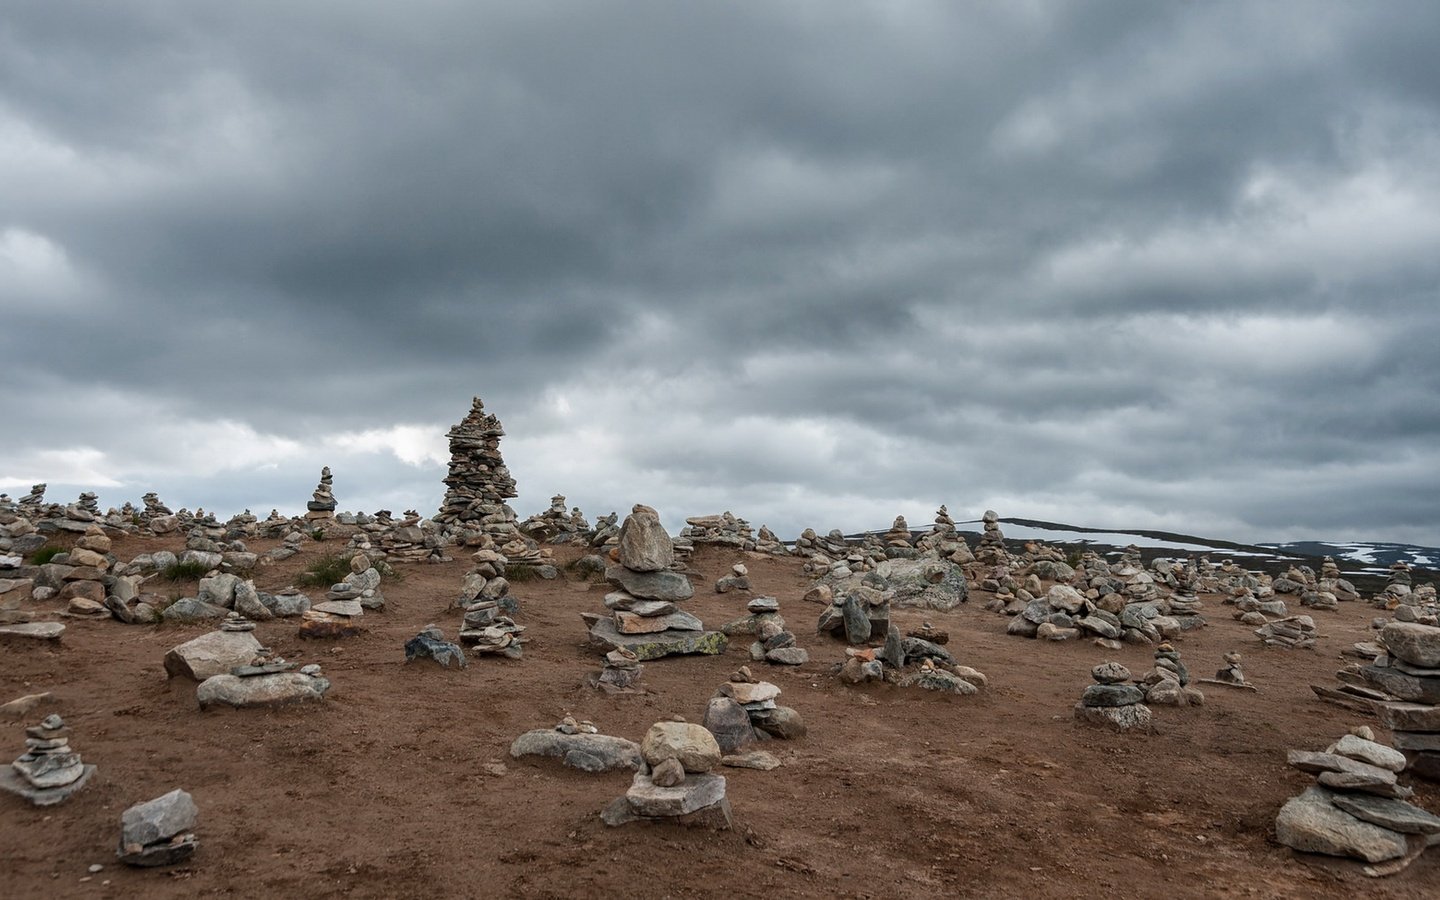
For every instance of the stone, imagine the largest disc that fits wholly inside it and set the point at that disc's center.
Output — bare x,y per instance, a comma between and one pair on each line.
695,792
751,692
782,722
1321,763
1110,673
1403,686
728,721
788,656
1367,751
430,644
13,782
588,752
1416,644
1312,823
1396,815
693,745
665,585
644,544
1380,785
755,759
215,653
36,631
190,609
339,607
23,706
631,623
159,819
1097,695
260,691
1136,717
668,773
654,646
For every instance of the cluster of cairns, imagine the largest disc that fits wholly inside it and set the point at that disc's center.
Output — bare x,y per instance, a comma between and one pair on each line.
644,618
1112,703
945,541
1357,809
555,525
676,782
49,770
773,642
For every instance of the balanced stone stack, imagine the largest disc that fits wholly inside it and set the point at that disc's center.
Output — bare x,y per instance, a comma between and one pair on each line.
485,597
1358,808
1409,671
1168,684
338,615
555,525
216,652
738,579
49,771
643,616
774,643
478,483
35,499
857,615
321,507
1111,703
266,682
724,530
157,832
1289,633
992,539
621,671
744,710
676,783
898,542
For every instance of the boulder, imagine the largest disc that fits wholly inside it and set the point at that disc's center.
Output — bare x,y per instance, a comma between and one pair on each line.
159,819
587,752
260,690
729,723
693,745
644,544
1411,642
215,653
663,585
1312,823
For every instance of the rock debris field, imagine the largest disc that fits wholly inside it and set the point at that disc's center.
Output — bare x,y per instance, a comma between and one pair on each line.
471,703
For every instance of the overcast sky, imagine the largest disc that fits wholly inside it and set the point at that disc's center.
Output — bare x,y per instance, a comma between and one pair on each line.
1167,265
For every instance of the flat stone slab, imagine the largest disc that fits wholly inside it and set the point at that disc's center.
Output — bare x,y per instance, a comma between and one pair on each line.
667,585
38,631
260,691
634,622
340,607
755,759
215,653
1409,716
586,752
1396,815
11,781
696,791
655,646
1311,823
1136,717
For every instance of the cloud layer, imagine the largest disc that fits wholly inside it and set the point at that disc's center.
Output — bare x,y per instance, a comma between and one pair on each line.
1118,264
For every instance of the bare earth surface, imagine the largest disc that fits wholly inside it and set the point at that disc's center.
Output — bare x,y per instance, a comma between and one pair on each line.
400,784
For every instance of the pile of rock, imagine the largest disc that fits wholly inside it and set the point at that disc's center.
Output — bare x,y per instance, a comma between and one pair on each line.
1358,808
832,546
412,539
1232,675
1168,684
744,710
898,542
738,579
216,652
945,541
555,525
676,785
49,771
774,643
724,530
991,549
621,671
321,507
1409,672
767,542
157,832
478,483
1111,703
854,616
338,615
579,745
643,616
1289,633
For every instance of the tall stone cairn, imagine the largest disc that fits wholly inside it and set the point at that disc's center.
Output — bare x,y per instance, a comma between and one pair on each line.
478,484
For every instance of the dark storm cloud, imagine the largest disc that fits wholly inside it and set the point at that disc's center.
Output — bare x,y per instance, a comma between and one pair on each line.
1122,263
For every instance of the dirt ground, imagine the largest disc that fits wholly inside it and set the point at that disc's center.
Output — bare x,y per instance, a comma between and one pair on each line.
390,788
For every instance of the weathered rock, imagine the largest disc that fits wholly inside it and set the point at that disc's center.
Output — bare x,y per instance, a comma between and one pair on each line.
1370,752
1110,673
190,609
36,631
782,722
1097,695
1411,642
215,653
632,623
665,585
788,656
696,791
1396,815
1311,823
654,646
644,544
431,644
262,690
588,752
755,759
1402,685
1409,716
693,745
729,723
1136,717
159,819
668,773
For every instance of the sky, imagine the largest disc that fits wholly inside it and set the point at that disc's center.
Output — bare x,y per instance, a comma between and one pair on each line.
1113,264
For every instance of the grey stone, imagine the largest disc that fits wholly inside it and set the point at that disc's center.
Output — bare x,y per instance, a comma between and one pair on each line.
1136,717
919,648
632,623
1409,716
1396,815
644,544
587,752
215,653
1312,823
755,759
857,623
782,722
788,656
260,691
665,585
1405,687
729,723
159,819
654,646
1416,644
189,609
14,783
667,773
697,791
350,608
1110,673
1370,752
1380,785
39,631
1097,695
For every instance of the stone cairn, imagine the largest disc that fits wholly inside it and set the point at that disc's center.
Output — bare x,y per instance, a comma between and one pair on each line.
992,540
773,642
1111,703
157,832
1407,679
1289,633
854,616
264,682
738,579
1168,684
677,783
1357,809
931,666
488,625
898,540
555,525
49,771
620,673
321,508
743,711
478,483
767,542
338,615
643,616
724,530
1232,675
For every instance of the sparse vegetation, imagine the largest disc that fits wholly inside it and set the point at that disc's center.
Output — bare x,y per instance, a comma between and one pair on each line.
517,574
324,571
184,571
44,555
318,534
